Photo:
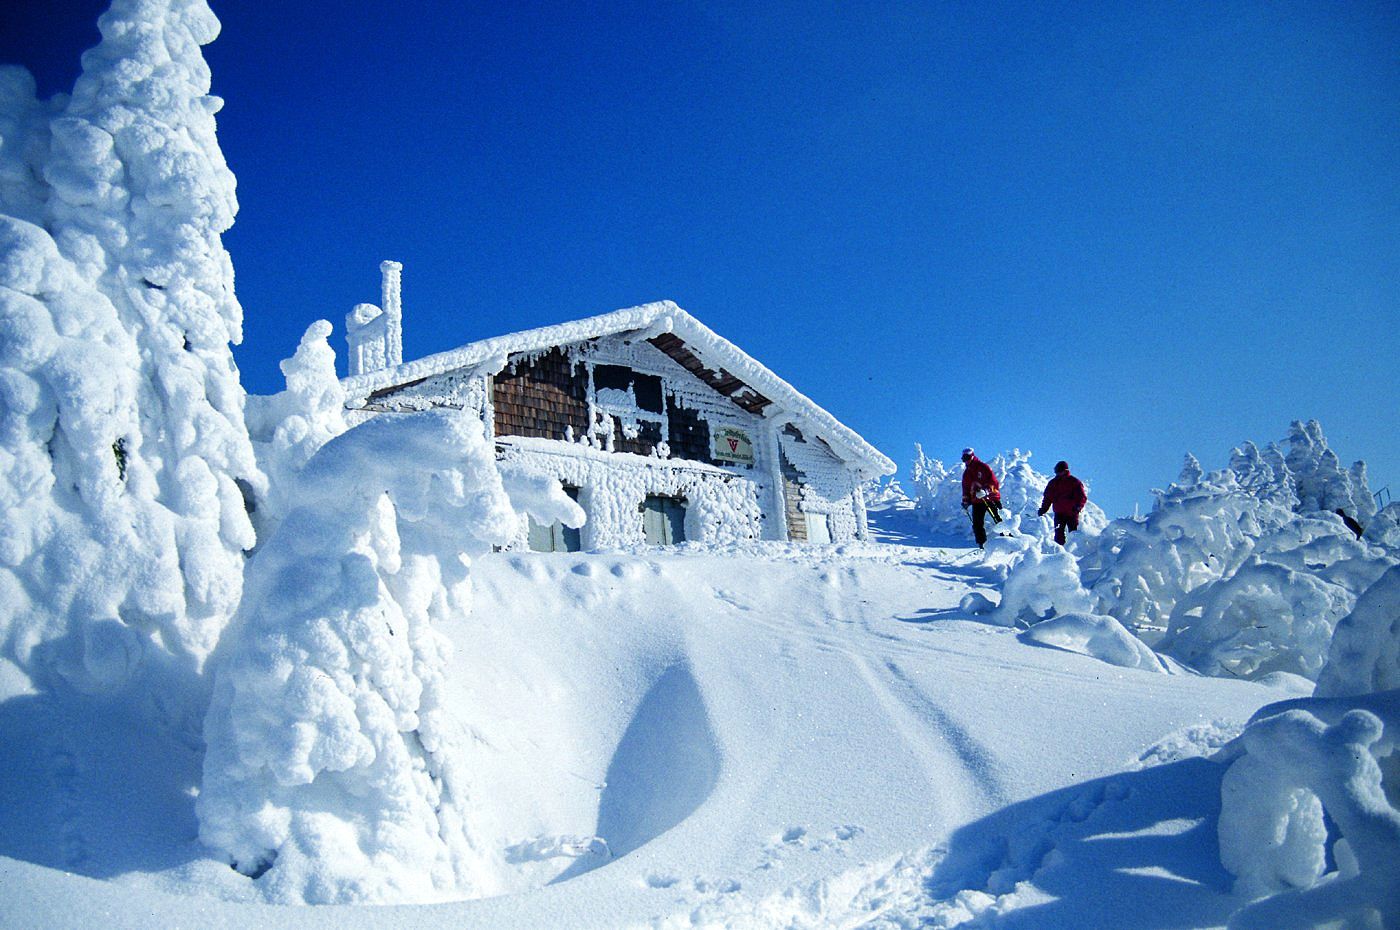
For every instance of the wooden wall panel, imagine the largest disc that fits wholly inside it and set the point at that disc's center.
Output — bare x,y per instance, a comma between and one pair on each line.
542,398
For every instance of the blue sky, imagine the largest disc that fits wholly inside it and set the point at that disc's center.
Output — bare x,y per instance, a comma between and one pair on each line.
1107,233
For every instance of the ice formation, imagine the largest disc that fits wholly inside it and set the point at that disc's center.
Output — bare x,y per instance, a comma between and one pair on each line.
124,413
333,771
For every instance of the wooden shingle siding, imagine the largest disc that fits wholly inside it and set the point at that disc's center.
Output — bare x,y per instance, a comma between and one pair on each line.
689,434
541,398
648,435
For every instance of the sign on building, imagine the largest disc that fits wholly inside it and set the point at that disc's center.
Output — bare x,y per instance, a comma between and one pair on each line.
730,444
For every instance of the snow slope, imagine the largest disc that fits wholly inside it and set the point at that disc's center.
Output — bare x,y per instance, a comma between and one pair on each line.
769,736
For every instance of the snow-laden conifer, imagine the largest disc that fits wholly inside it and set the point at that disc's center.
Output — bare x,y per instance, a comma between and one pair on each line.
125,422
333,770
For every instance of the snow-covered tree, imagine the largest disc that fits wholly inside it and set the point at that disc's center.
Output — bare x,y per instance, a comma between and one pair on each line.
127,403
288,428
333,770
1321,482
937,491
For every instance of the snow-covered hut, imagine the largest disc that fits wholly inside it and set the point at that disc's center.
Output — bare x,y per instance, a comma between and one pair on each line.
662,430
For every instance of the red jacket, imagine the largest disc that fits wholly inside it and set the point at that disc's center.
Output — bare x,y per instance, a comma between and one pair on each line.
978,474
1066,494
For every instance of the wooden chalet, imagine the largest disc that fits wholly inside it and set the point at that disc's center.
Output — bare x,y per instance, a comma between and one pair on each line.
663,431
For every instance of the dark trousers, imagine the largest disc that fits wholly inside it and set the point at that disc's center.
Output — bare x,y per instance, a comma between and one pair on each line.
1065,522
979,523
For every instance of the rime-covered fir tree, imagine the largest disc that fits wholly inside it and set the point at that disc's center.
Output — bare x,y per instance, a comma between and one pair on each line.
123,412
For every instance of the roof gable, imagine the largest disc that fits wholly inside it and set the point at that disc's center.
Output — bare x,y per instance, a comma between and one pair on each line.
713,359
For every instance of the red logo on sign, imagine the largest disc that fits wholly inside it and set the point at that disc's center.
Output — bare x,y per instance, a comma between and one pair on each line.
733,445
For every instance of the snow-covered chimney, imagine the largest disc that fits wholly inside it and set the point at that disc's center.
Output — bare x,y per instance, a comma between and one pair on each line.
374,335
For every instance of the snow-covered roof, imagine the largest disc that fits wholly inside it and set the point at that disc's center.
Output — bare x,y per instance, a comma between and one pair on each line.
653,319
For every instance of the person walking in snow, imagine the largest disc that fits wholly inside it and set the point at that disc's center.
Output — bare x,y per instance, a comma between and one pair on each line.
981,492
1066,494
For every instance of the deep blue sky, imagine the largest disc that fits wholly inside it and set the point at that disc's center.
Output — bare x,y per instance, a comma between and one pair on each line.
1105,233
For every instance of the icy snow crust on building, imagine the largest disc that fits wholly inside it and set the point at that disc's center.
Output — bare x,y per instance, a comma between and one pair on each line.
665,431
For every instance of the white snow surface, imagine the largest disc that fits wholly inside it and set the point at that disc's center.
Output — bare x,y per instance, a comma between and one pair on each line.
766,736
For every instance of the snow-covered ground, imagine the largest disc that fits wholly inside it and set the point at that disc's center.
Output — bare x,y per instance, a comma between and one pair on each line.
766,736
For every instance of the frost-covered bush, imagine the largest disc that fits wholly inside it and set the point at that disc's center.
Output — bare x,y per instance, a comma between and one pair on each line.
1243,571
937,490
1297,766
884,493
123,414
333,769
288,428
1200,529
1365,651
1384,528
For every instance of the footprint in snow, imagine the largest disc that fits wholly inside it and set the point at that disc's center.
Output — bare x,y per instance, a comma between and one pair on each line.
793,834
656,880
716,886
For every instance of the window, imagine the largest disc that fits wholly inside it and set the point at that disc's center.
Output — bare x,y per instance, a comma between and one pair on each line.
818,529
556,537
663,520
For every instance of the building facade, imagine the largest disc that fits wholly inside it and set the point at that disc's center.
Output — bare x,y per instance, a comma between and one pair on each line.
663,431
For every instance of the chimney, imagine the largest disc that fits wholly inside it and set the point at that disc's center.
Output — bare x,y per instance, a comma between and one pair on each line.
392,303
374,336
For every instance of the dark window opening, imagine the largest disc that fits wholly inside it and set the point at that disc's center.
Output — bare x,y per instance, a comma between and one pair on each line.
648,391
616,377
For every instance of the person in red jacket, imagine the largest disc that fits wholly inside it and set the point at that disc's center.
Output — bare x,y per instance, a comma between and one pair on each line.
1065,493
981,492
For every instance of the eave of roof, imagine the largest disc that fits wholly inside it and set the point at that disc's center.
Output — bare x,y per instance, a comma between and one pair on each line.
653,319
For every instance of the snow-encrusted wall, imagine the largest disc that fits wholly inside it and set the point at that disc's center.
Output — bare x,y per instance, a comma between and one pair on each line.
828,487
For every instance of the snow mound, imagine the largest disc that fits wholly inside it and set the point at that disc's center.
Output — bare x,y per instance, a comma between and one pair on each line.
1296,772
1365,650
334,770
1098,636
1043,582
